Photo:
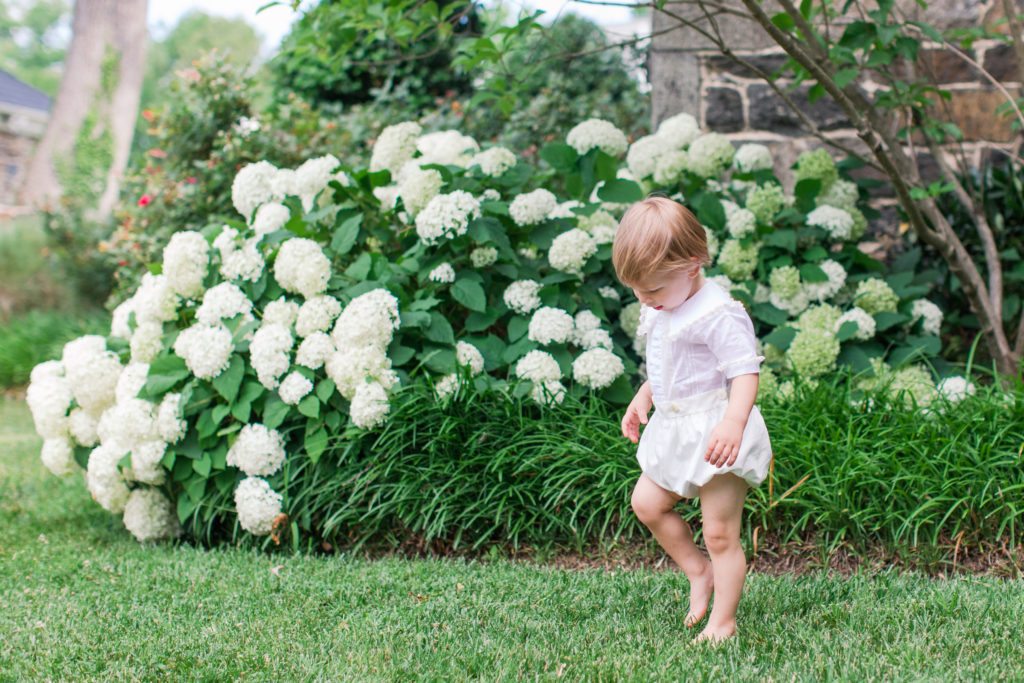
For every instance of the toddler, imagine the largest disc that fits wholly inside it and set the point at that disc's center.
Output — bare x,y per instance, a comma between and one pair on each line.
706,437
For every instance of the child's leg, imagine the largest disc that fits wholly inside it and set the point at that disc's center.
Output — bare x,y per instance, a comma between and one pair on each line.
654,505
721,501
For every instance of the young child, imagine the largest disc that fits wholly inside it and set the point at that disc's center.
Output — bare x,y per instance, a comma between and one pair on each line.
706,437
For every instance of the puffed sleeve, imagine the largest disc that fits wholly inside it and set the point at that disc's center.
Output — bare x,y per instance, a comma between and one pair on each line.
730,336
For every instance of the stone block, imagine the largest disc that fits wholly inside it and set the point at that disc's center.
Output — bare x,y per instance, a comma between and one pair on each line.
718,65
723,110
947,67
1000,62
975,112
675,79
737,32
769,112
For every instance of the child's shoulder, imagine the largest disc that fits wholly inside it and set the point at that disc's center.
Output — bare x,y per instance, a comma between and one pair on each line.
711,304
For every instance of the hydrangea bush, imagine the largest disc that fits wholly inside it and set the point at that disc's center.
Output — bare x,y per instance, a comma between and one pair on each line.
257,345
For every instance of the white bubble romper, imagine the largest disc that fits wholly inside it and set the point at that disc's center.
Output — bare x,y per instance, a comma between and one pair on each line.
692,353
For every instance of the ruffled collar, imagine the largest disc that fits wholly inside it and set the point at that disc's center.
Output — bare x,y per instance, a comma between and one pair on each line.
708,299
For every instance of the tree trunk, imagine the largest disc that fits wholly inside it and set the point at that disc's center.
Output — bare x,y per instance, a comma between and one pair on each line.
105,33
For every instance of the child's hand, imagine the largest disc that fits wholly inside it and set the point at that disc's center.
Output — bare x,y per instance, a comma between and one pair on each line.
636,414
724,444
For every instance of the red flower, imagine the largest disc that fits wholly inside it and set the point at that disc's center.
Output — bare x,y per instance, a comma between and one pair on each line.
145,200
191,180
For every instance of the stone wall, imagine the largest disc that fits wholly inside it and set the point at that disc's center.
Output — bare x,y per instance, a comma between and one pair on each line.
689,74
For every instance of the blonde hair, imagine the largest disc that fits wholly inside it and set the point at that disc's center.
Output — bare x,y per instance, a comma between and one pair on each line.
657,235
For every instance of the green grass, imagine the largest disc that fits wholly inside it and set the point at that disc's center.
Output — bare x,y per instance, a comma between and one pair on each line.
37,336
82,601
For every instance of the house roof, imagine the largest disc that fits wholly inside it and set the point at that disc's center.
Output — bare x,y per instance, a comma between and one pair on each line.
18,93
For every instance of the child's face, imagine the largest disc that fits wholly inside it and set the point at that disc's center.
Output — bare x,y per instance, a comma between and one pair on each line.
667,290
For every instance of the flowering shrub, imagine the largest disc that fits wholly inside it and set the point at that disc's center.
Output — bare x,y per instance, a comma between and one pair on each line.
258,344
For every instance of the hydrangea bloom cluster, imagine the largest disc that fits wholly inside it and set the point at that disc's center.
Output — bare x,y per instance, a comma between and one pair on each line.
597,133
447,216
533,207
570,250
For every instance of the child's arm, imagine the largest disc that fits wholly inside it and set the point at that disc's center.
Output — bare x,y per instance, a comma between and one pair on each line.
724,444
636,413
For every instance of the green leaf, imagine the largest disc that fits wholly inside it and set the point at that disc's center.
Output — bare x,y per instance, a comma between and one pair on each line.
886,319
346,234
783,21
202,465
810,272
185,508
915,347
275,411
228,382
325,388
619,392
620,191
847,330
316,441
470,294
310,406
780,337
478,322
440,330
164,373
517,327
806,191
846,76
784,239
770,314
560,156
710,211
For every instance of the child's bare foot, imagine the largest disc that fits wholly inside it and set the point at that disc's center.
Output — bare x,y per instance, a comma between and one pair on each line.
701,588
715,634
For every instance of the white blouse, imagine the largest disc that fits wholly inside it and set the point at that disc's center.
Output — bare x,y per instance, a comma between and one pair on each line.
699,346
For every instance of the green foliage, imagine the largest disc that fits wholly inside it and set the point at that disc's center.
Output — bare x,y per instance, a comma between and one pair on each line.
329,59
33,38
30,339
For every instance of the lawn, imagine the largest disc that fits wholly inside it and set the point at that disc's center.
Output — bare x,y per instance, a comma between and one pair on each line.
83,601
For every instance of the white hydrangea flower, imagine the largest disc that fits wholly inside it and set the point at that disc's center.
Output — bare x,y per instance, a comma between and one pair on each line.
119,326
282,184
280,312
956,389
644,154
722,281
352,368
587,332
570,250
270,218
258,450
931,314
294,388
243,263
670,167
599,133
532,207
369,320
865,323
186,258
522,296
170,425
257,505
447,216
565,209
104,480
147,342
443,274
302,268
446,386
550,325
49,369
58,457
127,423
369,405
490,195
712,241
82,427
146,465
314,351
387,196
821,291
481,257
710,154
223,302
269,353
494,161
317,315
447,148
252,187
546,393
741,222
609,293
467,355
417,187
597,368
529,252
752,157
538,367
155,301
150,516
395,146
678,131
91,372
841,193
131,381
836,222
312,177
205,349
794,305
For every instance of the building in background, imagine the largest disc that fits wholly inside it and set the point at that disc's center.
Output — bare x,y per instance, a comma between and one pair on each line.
23,115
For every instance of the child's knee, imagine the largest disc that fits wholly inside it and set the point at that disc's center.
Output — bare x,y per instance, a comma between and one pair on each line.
720,538
645,508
